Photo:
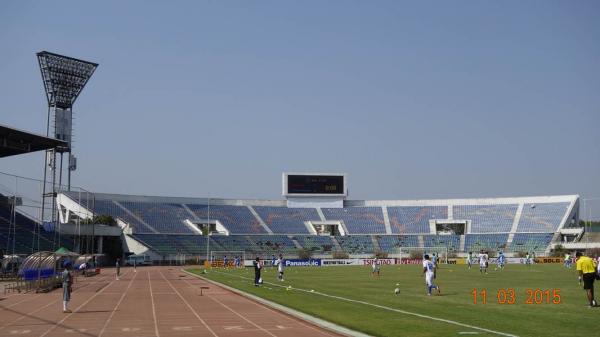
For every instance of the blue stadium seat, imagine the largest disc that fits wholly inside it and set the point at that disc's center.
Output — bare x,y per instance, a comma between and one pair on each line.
358,220
283,220
237,219
414,219
487,218
542,217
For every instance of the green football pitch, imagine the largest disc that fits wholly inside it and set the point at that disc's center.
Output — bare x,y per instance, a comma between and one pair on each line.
540,300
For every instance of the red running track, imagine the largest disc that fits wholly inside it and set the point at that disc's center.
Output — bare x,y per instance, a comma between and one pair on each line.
154,301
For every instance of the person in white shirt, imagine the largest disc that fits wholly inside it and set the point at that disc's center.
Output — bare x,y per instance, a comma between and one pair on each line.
483,261
375,266
429,272
279,264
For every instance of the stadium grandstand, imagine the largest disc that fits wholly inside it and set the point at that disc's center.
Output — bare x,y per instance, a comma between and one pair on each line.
163,227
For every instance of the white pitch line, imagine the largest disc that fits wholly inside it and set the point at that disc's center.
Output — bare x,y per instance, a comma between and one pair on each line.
389,309
189,306
117,305
153,307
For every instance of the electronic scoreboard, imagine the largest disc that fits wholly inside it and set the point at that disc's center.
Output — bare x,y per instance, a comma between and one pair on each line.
314,184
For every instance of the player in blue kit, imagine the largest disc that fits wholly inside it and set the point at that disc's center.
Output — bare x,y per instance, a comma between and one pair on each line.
429,272
501,261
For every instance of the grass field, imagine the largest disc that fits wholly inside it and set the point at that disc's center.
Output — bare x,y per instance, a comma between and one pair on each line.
336,290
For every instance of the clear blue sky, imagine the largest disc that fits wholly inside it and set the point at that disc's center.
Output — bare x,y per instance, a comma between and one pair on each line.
411,99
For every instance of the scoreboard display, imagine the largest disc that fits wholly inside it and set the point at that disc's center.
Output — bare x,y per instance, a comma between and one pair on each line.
314,184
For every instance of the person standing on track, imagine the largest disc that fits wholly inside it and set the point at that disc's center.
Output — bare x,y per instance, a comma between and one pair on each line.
118,267
67,284
257,269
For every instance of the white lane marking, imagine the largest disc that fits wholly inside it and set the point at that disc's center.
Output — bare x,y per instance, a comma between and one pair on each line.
76,330
188,305
294,320
233,327
388,308
47,305
77,309
19,332
153,307
281,327
182,328
241,316
468,333
117,305
25,300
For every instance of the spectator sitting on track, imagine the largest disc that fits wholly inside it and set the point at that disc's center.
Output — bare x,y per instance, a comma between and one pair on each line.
82,268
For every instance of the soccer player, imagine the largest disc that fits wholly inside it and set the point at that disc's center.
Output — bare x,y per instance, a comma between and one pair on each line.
375,266
434,260
257,269
527,259
224,261
568,260
118,266
279,264
587,272
470,259
273,260
483,261
429,272
501,260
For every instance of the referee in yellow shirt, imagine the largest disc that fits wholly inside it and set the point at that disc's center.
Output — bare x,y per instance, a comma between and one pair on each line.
587,272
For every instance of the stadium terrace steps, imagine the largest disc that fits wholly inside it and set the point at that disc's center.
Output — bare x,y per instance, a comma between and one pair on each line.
414,219
487,218
542,217
530,242
258,218
386,219
476,242
283,220
376,246
370,224
25,234
237,219
358,220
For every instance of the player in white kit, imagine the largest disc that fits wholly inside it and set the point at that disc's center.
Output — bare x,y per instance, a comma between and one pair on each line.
375,266
429,271
483,261
279,264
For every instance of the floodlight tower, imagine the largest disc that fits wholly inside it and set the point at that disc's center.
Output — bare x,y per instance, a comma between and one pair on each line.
64,78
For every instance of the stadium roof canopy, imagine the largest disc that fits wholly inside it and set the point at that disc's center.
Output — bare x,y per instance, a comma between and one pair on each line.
14,142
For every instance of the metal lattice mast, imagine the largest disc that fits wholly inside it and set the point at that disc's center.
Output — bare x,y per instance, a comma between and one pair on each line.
64,78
